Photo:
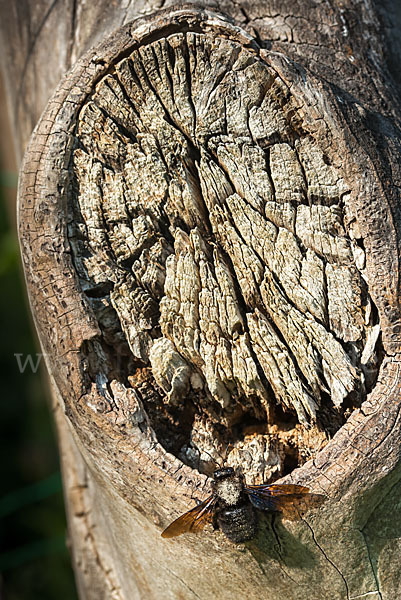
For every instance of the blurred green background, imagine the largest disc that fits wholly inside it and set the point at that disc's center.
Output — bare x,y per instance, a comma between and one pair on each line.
34,561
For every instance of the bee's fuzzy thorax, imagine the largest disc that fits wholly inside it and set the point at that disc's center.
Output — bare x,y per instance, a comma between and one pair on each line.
229,490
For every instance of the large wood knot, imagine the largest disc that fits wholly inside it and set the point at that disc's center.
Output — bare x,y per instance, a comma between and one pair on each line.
214,239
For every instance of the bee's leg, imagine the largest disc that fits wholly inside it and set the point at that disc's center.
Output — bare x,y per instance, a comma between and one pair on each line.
195,490
199,456
278,547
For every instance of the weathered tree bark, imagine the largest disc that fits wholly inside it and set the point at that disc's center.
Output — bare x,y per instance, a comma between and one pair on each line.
210,226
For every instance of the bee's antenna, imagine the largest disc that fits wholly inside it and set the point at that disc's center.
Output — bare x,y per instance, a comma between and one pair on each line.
213,459
200,452
199,457
194,489
228,449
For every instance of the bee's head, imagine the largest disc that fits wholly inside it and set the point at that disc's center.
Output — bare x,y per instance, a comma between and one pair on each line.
221,474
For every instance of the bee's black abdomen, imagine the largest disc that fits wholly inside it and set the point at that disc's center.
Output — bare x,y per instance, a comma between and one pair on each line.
239,523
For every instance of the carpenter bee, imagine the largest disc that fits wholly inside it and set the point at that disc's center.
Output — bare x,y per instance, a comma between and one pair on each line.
231,506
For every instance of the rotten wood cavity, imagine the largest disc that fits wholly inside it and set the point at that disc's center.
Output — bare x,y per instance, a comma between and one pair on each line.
216,244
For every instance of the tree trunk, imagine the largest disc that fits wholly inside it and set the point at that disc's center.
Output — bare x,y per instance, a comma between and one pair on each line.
210,228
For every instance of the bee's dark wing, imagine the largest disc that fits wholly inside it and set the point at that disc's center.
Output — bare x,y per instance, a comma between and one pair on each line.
290,500
194,520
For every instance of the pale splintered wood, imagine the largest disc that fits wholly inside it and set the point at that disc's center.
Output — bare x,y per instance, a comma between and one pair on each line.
187,152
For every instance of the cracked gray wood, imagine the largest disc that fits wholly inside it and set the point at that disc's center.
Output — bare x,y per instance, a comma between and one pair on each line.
208,220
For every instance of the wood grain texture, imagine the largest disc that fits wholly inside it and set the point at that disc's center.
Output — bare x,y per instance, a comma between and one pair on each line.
208,217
